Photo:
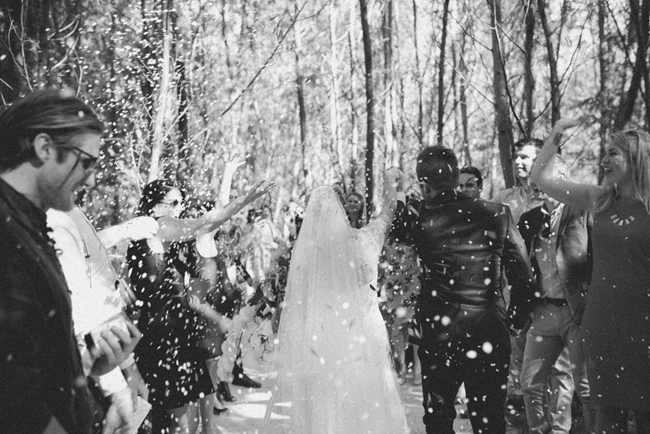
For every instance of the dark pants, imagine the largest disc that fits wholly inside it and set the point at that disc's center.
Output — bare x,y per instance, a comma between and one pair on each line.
613,420
482,364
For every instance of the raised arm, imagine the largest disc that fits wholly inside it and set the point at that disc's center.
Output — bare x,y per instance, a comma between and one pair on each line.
226,182
392,179
173,229
578,196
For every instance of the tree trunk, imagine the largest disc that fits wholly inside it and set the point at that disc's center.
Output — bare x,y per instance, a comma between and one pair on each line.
390,106
354,155
441,73
185,166
302,113
335,129
503,122
370,107
164,105
552,63
418,77
603,64
640,66
529,80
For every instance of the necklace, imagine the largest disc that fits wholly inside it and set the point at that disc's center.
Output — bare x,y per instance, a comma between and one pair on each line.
619,221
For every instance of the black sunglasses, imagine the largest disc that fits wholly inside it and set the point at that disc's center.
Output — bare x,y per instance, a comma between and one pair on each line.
173,203
87,163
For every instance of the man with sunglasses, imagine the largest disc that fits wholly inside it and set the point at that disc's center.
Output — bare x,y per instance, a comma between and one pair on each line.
463,245
557,240
49,144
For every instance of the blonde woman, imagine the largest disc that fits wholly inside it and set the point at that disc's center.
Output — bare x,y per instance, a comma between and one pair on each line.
616,322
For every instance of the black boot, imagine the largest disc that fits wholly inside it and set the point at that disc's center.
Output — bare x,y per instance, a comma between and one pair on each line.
243,380
224,392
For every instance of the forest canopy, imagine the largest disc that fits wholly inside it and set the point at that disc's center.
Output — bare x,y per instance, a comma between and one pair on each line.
318,91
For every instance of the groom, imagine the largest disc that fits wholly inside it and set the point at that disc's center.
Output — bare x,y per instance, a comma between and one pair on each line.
464,245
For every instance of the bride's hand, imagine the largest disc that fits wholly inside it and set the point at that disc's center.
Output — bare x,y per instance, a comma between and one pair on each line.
393,178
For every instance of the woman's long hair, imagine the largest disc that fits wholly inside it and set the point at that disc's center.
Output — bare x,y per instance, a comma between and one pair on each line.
636,145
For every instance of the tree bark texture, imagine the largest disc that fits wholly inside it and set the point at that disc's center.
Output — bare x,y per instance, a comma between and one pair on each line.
441,73
503,122
370,107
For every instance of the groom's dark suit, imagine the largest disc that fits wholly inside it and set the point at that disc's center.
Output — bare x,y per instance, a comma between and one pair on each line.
463,245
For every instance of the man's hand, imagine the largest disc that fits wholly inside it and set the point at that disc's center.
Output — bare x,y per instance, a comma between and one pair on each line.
120,413
113,347
136,384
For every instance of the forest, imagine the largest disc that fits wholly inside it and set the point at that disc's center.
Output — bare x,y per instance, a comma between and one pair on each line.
320,91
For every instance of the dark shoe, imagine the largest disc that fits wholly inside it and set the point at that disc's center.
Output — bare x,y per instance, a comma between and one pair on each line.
219,411
223,390
244,380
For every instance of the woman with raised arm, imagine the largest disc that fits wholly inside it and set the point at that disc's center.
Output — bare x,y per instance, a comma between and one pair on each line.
334,373
616,322
168,354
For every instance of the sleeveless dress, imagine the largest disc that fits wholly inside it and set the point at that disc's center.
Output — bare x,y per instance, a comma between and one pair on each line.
168,354
334,373
616,322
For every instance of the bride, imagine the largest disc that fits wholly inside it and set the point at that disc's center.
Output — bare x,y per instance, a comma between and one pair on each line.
335,372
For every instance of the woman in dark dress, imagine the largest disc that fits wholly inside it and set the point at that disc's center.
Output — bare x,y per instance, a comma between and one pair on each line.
168,355
616,322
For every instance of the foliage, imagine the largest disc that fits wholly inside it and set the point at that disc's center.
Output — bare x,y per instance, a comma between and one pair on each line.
203,79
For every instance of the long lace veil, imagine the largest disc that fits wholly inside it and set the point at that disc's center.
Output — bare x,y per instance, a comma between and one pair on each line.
322,301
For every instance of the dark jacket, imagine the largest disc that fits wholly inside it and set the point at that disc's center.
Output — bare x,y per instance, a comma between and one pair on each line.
40,368
464,245
573,253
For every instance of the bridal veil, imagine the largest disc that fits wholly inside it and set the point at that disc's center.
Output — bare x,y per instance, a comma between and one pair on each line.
335,373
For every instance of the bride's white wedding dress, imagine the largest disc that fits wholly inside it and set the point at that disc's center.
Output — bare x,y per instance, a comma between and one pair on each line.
335,374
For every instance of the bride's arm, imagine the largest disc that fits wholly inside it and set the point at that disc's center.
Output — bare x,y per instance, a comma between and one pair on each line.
391,182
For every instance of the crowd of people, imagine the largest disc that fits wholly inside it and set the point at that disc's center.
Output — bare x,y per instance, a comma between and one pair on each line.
542,291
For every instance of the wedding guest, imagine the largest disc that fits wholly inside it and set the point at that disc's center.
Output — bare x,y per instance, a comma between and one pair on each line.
49,146
615,325
169,355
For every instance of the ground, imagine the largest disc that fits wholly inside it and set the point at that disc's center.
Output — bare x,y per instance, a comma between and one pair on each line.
245,415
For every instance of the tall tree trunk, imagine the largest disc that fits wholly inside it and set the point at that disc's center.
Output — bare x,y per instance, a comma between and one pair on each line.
463,110
529,80
441,73
503,122
390,131
185,166
164,105
552,63
335,129
640,66
354,155
370,106
603,99
418,76
302,113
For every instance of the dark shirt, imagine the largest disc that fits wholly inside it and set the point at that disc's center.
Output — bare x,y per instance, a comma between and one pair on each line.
40,367
463,245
